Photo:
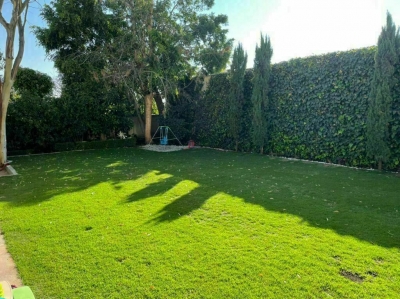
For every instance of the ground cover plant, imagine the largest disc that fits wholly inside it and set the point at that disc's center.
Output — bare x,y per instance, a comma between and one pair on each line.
127,223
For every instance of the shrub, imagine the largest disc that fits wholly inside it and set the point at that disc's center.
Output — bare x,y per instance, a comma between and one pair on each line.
20,152
90,145
63,147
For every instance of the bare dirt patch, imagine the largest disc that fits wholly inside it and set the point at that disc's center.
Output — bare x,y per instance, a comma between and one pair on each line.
352,276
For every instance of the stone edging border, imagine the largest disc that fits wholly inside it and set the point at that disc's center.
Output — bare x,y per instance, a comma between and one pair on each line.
11,170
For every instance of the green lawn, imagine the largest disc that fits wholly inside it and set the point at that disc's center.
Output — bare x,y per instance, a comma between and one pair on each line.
127,223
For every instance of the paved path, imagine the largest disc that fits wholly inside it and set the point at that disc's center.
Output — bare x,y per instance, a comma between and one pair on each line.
8,271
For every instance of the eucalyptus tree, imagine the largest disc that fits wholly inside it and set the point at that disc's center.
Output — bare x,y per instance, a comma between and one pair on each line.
13,23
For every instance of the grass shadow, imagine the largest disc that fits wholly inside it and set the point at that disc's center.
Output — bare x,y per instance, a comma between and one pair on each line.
43,177
193,199
350,202
153,189
356,203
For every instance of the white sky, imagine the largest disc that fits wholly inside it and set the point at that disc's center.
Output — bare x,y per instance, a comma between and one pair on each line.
300,28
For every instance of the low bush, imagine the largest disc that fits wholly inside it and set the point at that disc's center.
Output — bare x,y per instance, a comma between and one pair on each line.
89,145
21,152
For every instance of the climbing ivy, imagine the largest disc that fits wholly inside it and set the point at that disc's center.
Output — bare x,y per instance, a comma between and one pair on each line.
212,112
318,105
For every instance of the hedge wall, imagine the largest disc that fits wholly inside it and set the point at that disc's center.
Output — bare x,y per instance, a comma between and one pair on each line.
97,144
83,145
318,105
36,123
212,111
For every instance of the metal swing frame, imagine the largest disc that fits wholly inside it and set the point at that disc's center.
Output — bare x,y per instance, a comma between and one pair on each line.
164,131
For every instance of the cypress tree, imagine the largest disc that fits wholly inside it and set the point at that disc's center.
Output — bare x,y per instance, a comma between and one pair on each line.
236,95
380,100
259,98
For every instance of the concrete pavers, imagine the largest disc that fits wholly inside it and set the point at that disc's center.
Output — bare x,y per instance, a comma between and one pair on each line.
8,270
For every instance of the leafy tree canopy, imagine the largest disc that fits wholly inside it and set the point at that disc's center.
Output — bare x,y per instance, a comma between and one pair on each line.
144,46
135,37
75,28
33,82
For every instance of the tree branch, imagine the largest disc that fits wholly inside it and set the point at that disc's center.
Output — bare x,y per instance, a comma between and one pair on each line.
173,8
21,36
24,6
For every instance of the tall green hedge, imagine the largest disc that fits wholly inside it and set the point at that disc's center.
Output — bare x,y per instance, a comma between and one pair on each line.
319,109
210,121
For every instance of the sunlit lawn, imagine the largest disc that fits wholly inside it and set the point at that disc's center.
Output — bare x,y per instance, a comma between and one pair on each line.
128,223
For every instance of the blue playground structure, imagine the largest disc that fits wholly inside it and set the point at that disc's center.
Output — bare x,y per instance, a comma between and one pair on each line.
163,135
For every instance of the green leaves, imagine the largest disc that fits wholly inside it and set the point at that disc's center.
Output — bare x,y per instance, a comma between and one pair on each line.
261,116
236,95
33,82
380,100
311,119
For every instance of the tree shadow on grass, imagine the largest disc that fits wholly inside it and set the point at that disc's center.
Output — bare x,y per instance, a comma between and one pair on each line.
185,203
153,189
355,203
43,177
351,202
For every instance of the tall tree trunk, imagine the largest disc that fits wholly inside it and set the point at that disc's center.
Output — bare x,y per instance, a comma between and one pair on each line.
380,165
148,108
137,109
3,114
149,95
5,99
160,104
18,20
3,146
261,150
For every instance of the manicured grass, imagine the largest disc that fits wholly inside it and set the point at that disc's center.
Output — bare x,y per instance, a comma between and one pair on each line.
126,223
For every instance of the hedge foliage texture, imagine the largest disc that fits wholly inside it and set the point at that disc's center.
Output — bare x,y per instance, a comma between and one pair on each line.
319,109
